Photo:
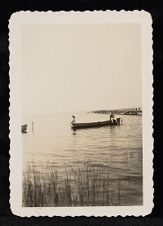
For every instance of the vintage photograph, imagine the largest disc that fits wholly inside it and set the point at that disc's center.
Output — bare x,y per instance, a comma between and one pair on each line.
81,110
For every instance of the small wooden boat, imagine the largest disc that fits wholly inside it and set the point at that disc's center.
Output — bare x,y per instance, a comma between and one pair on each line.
24,128
81,125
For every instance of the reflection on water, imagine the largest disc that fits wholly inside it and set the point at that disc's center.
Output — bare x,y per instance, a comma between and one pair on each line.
106,161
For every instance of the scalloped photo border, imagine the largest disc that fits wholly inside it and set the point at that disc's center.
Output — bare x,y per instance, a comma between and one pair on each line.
95,17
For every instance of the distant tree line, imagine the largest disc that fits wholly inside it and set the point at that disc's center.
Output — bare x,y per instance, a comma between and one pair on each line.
120,111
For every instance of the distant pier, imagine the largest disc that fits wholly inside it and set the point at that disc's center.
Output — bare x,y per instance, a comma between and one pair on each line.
122,111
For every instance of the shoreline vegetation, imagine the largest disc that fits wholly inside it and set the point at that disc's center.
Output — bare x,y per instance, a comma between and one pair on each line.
80,186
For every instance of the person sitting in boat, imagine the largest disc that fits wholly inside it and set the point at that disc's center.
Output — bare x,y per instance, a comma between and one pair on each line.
73,120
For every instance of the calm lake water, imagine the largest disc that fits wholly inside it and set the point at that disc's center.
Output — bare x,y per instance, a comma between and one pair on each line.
115,151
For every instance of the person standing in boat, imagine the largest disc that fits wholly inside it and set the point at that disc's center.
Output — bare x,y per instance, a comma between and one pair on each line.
112,118
73,120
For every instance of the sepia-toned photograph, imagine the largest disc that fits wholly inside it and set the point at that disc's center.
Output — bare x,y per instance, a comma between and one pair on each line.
80,110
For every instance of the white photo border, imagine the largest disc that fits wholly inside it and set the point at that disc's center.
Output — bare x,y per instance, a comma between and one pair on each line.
96,17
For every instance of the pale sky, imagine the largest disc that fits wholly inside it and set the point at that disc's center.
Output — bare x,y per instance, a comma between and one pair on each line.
80,67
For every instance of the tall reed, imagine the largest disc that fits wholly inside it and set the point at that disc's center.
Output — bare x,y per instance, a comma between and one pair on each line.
79,186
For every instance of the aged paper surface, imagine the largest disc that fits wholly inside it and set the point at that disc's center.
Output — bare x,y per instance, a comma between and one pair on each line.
81,113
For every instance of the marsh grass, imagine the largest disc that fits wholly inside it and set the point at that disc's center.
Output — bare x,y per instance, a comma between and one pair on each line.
77,186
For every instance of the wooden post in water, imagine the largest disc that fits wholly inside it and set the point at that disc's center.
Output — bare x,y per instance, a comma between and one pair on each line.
32,126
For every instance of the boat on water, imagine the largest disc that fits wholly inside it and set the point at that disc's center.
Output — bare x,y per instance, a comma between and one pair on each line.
81,125
24,128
